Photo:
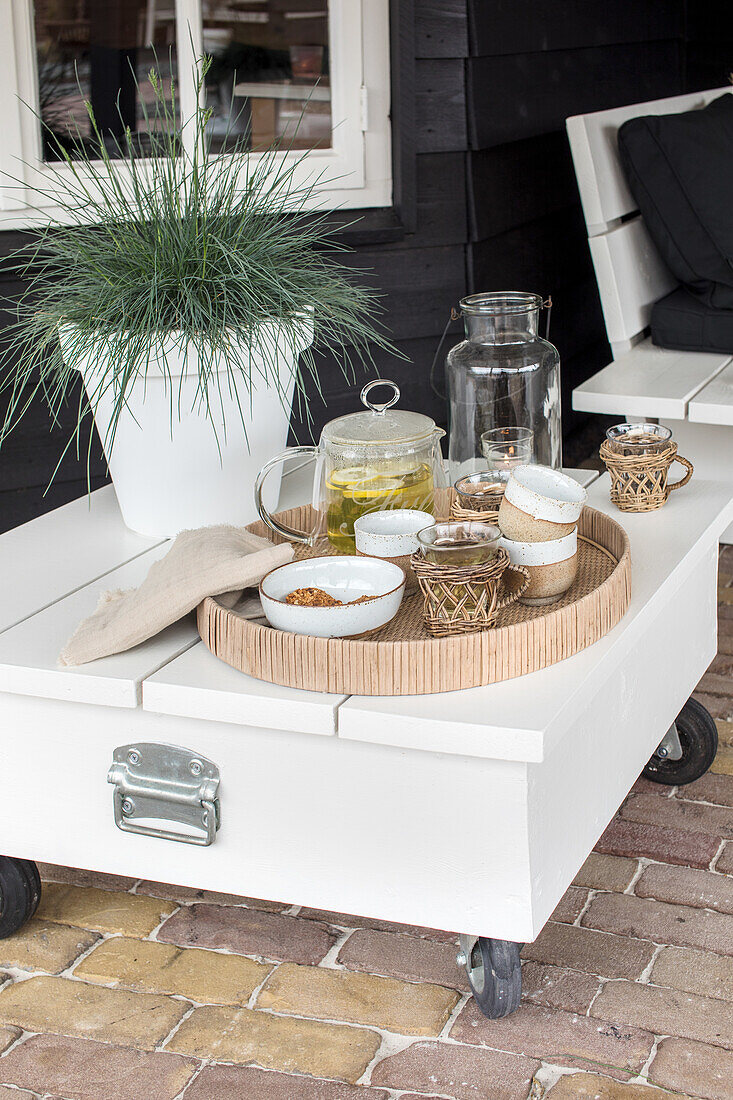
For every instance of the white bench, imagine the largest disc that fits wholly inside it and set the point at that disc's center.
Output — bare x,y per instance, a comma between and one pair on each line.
691,392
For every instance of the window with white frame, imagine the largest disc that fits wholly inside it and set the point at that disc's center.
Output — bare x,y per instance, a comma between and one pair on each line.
313,74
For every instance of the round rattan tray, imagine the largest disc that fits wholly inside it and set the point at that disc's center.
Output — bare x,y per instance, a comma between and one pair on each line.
402,659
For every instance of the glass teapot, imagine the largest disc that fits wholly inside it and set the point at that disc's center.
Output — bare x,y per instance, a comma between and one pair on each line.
366,462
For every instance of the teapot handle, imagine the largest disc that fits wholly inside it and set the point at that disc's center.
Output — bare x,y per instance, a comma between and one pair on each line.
288,533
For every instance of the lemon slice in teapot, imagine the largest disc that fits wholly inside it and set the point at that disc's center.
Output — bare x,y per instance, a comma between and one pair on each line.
378,486
351,477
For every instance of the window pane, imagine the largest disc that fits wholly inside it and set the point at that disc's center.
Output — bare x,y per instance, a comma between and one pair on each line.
270,71
96,50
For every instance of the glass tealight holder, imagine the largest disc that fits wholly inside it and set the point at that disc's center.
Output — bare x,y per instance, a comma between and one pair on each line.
479,492
459,544
506,448
638,439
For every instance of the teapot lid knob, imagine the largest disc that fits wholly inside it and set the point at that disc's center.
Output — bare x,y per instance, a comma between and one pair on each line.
377,406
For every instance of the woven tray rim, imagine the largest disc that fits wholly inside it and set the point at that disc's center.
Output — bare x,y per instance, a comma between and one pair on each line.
363,666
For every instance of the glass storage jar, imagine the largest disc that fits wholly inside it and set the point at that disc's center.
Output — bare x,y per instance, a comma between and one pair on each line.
503,375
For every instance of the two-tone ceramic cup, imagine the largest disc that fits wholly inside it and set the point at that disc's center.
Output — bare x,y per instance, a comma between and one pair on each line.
392,536
552,566
540,505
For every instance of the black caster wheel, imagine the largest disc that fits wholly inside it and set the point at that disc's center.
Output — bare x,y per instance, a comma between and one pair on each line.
698,742
20,893
494,974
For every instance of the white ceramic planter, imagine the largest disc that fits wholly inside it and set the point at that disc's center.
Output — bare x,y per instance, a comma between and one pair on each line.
169,469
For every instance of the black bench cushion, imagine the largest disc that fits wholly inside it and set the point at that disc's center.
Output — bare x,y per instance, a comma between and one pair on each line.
680,171
682,321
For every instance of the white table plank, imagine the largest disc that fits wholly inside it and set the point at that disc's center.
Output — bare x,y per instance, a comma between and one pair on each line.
714,403
518,719
55,554
584,477
199,685
649,381
29,651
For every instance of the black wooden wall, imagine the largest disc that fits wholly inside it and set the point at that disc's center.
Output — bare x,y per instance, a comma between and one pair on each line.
532,64
488,199
29,457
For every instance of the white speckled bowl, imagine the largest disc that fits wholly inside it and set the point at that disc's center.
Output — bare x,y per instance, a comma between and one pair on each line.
540,504
392,535
344,578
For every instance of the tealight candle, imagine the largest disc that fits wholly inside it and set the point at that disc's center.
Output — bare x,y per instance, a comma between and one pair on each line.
506,448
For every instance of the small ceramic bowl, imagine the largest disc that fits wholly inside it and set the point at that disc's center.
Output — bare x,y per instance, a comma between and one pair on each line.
346,579
552,566
540,505
392,536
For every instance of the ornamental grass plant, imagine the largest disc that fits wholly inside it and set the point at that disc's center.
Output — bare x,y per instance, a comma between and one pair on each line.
174,241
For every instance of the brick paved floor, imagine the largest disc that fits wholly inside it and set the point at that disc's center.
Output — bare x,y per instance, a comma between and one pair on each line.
125,990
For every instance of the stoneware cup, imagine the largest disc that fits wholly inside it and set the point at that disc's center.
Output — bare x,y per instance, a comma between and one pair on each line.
540,505
552,566
392,536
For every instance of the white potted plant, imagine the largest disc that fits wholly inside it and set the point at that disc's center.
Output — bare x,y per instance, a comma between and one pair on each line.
192,293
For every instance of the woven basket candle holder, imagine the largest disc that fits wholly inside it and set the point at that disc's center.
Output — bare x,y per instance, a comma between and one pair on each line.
478,492
490,514
465,599
481,505
639,481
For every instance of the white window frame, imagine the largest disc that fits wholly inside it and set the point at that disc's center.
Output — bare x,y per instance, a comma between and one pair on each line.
356,172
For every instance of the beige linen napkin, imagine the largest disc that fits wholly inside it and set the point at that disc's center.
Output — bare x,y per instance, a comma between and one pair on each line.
206,562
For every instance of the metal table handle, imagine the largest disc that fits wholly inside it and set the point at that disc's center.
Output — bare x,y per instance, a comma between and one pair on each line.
158,783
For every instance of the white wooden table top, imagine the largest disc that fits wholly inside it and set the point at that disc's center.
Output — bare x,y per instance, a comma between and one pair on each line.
29,651
713,404
175,674
53,555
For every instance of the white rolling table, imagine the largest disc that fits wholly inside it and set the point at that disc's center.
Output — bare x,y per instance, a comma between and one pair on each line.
470,810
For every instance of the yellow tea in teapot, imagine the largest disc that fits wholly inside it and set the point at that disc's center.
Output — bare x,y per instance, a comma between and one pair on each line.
353,491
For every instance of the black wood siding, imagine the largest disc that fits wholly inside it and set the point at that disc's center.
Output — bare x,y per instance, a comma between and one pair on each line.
709,46
533,63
